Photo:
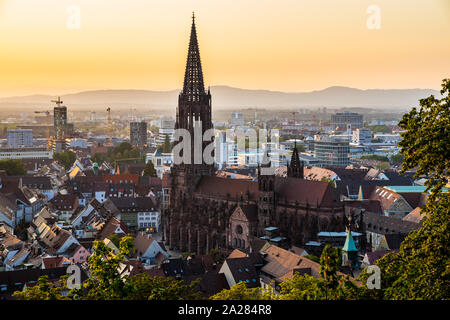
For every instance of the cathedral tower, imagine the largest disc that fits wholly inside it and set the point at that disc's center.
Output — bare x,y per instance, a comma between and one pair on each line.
295,167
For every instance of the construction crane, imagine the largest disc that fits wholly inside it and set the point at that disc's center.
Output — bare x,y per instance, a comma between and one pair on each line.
110,126
132,115
47,133
58,102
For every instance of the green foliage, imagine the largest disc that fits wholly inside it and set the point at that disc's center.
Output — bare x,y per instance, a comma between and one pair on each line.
312,258
123,151
114,238
331,182
166,147
66,158
397,158
20,230
44,290
331,285
144,287
240,292
383,166
150,170
421,269
217,256
426,141
186,255
300,148
13,167
380,128
154,129
375,157
106,283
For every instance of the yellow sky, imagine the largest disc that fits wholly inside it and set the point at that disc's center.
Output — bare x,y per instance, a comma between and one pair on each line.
286,45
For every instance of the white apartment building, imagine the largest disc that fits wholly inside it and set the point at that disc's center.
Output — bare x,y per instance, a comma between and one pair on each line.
18,138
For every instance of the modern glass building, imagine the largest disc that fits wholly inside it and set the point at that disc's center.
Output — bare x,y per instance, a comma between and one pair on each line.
331,153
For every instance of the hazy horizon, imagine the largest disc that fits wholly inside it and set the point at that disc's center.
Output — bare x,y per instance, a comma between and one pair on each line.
218,85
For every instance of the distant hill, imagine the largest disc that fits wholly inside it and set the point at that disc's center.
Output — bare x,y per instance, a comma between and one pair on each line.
225,97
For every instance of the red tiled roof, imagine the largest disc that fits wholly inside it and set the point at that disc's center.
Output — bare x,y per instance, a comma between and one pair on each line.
235,188
307,191
121,178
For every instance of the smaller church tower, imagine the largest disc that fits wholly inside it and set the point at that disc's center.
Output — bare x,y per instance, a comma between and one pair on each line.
295,167
266,187
350,252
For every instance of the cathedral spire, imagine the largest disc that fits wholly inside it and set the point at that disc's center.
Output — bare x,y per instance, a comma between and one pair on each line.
193,77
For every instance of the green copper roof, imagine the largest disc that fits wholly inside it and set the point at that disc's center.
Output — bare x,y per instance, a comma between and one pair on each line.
349,243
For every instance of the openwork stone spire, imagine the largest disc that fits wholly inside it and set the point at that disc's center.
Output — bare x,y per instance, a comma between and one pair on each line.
193,77
295,167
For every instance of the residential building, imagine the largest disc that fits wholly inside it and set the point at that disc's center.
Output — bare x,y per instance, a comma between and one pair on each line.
237,119
26,153
18,138
147,248
362,136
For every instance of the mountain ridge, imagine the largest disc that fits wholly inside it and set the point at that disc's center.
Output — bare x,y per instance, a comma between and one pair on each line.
227,97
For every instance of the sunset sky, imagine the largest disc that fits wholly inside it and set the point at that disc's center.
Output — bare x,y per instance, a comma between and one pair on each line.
285,45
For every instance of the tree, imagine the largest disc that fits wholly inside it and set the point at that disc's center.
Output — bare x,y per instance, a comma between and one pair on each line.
380,128
383,166
66,158
43,290
300,148
217,256
425,143
331,285
106,283
421,269
312,258
149,170
240,292
166,146
375,157
331,182
186,255
144,287
13,167
397,158
115,239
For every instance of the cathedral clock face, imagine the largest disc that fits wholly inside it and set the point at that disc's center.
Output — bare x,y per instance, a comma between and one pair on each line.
239,229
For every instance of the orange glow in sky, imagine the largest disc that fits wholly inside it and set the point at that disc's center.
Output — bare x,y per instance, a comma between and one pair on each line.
285,45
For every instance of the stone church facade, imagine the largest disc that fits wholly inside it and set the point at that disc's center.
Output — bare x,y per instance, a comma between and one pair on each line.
206,211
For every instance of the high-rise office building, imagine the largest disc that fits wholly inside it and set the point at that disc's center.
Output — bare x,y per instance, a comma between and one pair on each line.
330,152
166,127
342,119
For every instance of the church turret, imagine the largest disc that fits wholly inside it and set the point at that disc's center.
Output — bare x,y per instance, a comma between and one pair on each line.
349,251
295,167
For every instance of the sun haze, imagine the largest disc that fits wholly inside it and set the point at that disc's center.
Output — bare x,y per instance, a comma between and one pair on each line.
49,47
